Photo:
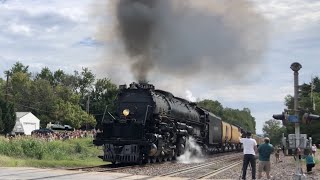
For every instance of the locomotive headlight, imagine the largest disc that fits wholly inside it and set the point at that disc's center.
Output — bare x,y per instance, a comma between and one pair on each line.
126,112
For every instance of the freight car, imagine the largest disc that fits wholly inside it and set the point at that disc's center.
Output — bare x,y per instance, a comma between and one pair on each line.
152,125
259,139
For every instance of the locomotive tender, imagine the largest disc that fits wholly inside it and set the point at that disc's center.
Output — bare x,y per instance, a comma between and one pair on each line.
153,125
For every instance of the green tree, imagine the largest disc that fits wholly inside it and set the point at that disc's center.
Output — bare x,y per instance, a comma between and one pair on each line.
272,129
2,88
242,118
212,106
41,100
46,74
306,105
58,77
20,84
19,67
72,114
86,79
102,98
8,116
1,121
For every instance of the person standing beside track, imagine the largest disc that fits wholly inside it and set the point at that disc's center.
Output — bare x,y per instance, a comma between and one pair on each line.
314,149
265,150
249,151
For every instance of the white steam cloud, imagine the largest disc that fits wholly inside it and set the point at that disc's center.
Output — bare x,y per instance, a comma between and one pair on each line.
192,154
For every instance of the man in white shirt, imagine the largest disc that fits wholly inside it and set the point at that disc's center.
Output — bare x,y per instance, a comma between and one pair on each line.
249,151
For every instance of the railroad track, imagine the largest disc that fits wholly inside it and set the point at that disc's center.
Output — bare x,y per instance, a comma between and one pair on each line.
218,171
103,168
206,166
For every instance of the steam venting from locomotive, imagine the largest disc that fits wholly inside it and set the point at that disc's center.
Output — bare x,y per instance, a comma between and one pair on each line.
188,38
193,153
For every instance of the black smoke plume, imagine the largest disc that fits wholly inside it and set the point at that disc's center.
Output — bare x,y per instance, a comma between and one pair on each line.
189,38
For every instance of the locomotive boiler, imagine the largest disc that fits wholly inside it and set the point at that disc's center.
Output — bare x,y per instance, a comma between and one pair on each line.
152,125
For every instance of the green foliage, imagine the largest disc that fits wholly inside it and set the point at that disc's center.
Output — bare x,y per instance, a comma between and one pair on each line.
40,153
272,129
86,79
213,106
72,114
43,150
18,67
57,96
8,116
46,74
242,118
309,96
103,96
33,148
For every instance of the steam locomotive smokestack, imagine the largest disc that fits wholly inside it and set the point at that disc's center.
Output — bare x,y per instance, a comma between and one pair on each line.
191,38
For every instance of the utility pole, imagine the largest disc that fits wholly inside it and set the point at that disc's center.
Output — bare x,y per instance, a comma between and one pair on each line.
312,99
7,86
295,68
88,109
88,104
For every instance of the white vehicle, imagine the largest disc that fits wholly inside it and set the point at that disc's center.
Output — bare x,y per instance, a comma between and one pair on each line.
58,126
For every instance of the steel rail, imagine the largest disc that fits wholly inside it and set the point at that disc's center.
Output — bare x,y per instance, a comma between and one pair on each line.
193,168
218,171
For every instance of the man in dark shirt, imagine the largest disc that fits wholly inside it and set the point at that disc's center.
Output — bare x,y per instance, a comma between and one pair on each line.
265,150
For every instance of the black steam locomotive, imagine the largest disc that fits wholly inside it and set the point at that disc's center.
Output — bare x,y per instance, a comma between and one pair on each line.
152,125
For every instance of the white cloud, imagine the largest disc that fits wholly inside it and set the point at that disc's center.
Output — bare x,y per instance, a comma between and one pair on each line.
74,10
250,93
20,29
44,33
288,15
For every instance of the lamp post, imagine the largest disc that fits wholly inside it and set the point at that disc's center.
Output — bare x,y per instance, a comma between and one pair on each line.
295,68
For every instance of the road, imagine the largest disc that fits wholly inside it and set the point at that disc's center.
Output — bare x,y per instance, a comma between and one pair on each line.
27,173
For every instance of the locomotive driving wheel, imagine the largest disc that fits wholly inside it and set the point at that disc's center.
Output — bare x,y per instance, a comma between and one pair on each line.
174,154
153,160
164,159
148,160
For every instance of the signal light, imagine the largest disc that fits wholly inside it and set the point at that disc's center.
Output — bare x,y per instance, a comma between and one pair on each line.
308,117
283,116
279,116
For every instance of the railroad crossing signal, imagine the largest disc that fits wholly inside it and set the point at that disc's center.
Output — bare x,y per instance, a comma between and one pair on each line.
283,116
293,118
308,117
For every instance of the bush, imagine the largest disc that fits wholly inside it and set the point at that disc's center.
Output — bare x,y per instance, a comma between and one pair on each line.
28,147
33,148
12,148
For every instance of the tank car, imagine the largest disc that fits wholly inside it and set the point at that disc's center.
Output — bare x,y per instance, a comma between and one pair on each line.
152,125
259,139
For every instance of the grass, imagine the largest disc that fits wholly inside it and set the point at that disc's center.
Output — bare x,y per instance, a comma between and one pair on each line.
31,152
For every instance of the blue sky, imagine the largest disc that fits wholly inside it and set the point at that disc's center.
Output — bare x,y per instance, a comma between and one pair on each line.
62,35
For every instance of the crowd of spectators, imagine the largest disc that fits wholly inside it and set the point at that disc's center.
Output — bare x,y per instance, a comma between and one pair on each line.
61,135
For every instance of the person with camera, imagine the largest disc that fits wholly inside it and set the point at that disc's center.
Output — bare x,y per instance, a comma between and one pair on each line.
249,151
